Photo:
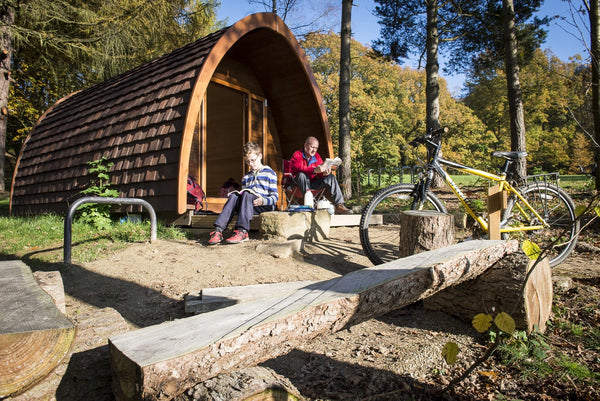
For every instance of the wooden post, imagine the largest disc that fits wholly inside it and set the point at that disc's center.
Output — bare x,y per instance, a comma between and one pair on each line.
495,204
424,230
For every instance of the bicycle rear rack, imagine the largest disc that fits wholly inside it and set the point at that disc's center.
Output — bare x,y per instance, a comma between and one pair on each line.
545,178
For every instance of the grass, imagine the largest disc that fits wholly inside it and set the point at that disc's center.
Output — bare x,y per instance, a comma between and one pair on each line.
569,182
4,202
576,182
40,238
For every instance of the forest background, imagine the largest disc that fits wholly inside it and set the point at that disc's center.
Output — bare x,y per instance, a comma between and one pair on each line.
64,46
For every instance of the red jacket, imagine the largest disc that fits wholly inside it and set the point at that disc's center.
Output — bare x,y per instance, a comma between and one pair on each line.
299,164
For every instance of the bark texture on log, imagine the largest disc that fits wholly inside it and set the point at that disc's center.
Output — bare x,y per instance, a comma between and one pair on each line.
424,230
159,362
34,335
52,283
256,384
499,290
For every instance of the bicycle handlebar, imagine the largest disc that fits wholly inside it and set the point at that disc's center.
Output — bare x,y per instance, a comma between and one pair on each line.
433,134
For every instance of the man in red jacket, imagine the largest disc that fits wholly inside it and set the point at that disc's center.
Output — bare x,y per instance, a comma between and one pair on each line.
309,172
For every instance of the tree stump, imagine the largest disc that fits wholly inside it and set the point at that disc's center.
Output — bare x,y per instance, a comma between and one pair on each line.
499,290
255,383
424,230
34,335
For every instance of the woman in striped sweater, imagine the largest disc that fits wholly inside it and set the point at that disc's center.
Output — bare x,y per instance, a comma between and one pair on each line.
258,194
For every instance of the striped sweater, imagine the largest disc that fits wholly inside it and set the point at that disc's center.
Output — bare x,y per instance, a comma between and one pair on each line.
263,182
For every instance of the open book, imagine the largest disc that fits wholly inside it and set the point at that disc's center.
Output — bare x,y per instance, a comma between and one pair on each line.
333,163
253,192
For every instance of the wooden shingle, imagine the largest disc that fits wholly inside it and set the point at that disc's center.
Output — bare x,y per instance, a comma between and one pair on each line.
144,120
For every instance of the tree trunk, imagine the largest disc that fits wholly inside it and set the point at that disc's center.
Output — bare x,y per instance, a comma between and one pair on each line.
424,230
7,15
513,85
432,86
594,15
432,89
345,172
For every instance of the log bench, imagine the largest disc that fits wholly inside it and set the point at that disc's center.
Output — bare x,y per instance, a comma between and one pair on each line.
159,362
34,335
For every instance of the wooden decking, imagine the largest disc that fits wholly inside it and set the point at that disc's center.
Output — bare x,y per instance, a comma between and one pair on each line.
337,220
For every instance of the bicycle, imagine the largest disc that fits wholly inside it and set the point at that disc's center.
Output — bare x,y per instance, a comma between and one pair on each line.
538,210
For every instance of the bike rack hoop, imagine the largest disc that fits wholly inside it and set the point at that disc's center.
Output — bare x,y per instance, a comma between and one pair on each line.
103,200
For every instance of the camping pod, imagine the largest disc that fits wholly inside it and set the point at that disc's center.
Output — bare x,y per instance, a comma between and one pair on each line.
186,113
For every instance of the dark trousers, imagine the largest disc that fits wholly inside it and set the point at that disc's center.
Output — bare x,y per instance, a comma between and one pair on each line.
329,182
242,205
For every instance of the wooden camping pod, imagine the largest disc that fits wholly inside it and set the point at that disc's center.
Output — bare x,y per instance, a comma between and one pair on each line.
188,112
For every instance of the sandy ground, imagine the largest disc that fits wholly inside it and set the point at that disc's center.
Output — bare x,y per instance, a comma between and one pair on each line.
146,284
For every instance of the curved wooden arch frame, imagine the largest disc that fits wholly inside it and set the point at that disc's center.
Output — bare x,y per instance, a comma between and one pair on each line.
219,50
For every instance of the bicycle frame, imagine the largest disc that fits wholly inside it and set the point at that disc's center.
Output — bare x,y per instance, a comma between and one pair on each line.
435,165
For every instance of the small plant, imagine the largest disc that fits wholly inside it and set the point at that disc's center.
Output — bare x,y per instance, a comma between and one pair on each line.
527,353
575,369
483,322
477,205
98,215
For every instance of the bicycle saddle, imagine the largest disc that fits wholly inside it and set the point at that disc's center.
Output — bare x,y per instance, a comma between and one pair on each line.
510,155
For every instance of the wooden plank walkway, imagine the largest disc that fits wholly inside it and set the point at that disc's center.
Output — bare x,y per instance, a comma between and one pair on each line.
159,361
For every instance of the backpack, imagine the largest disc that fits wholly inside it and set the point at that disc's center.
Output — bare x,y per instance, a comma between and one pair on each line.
195,194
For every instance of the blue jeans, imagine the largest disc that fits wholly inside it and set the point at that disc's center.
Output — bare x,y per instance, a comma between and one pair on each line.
242,205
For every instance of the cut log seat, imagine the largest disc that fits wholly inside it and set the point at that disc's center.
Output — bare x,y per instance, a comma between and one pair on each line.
158,362
34,335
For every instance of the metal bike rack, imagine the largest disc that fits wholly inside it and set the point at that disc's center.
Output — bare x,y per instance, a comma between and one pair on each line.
103,200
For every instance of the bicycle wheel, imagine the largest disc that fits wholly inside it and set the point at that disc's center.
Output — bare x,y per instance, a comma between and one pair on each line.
556,208
380,241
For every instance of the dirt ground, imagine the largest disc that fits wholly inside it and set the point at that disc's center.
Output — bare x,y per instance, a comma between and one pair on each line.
394,357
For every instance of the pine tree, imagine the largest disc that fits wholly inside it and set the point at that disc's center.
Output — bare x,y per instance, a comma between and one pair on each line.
75,44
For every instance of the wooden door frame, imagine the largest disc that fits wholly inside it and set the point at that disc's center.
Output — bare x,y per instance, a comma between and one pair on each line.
215,202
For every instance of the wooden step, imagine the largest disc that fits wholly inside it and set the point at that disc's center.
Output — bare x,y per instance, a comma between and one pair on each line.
337,220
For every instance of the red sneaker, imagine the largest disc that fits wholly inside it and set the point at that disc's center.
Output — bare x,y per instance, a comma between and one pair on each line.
237,237
215,238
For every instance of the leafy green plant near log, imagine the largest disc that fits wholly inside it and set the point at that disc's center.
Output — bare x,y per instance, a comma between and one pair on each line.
528,352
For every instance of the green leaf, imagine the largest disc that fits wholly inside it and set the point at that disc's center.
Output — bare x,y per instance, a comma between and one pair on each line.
482,322
449,352
531,249
597,210
579,210
505,322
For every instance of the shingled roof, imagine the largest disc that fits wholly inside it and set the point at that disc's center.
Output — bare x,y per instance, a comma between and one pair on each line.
143,120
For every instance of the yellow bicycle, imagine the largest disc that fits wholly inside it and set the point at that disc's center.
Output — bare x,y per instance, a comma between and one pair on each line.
538,210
